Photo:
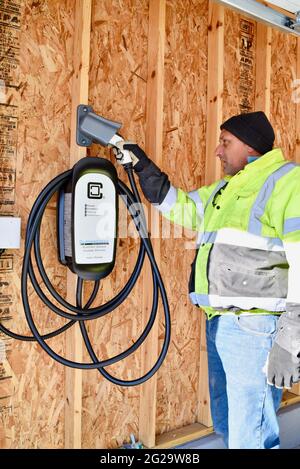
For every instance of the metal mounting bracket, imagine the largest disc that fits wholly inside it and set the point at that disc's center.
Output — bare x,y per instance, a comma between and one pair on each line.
94,128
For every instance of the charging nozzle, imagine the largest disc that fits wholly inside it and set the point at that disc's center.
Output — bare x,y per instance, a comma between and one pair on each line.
122,156
94,128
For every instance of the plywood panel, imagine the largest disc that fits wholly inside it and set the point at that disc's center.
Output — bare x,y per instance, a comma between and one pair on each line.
118,74
239,64
43,98
184,161
296,100
31,384
9,114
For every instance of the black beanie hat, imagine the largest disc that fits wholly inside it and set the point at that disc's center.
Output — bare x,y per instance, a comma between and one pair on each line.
254,129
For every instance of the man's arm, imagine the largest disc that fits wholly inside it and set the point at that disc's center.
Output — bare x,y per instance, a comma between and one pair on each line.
185,209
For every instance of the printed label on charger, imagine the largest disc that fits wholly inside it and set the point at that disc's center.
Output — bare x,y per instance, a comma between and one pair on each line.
94,219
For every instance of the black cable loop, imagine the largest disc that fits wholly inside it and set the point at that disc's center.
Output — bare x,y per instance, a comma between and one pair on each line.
131,198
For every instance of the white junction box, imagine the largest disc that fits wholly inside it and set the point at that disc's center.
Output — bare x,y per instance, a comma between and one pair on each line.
10,232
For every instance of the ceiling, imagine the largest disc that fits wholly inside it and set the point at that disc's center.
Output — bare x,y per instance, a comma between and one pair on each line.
268,15
289,5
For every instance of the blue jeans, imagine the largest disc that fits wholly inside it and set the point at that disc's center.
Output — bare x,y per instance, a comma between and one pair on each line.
243,405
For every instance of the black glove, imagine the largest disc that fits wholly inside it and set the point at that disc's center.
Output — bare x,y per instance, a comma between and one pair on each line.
140,160
154,183
138,157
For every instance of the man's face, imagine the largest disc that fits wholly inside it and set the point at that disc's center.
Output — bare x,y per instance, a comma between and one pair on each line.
232,152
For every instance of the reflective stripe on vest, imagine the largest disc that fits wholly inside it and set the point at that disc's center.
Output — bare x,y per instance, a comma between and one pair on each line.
291,224
258,208
194,195
244,303
169,201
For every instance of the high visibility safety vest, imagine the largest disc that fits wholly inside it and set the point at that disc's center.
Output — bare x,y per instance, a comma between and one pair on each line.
248,249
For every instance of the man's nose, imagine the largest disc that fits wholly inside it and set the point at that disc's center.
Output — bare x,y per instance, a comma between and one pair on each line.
219,150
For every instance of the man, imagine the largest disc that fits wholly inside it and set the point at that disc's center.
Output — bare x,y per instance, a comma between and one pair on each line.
245,275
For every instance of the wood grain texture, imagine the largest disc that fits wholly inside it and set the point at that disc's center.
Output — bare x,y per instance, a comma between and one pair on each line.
46,50
118,81
73,337
154,145
283,109
215,88
296,99
119,89
184,150
263,69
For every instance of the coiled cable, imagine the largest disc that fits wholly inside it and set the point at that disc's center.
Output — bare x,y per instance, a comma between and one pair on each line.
81,314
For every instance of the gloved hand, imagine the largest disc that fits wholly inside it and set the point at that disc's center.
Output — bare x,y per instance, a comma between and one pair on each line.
283,365
139,158
154,183
283,368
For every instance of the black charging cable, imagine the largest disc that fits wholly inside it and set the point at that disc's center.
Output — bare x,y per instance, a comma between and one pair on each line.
81,314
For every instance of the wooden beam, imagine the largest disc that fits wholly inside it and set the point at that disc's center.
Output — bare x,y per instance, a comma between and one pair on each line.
215,86
73,378
154,139
297,157
263,68
289,398
180,436
204,416
296,388
277,8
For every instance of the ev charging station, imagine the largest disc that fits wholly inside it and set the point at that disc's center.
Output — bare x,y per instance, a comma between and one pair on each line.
87,238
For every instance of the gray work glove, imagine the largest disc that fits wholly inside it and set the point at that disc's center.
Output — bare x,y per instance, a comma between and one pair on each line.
283,368
283,365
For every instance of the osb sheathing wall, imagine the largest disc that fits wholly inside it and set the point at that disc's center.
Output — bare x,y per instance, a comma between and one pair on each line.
32,389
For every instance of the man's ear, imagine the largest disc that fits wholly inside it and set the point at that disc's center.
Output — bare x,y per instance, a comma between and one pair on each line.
252,152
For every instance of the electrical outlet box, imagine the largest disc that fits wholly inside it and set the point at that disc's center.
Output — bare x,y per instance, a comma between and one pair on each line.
10,232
